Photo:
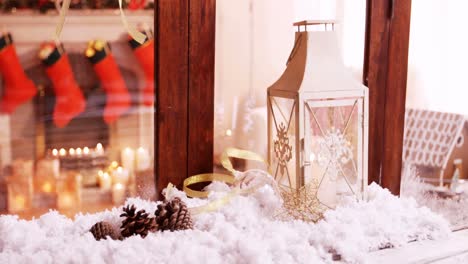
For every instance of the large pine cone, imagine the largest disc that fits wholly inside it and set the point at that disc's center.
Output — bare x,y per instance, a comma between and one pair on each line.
102,230
137,223
173,215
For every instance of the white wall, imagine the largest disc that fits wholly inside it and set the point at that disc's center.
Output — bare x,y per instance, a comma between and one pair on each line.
438,56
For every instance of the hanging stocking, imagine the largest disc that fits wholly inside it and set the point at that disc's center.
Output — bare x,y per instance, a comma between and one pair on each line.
70,101
18,88
118,99
145,56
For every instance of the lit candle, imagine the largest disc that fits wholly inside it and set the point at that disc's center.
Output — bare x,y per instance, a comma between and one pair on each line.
143,159
128,158
114,164
99,149
47,187
105,181
55,153
228,132
79,151
62,152
71,152
118,193
86,151
120,175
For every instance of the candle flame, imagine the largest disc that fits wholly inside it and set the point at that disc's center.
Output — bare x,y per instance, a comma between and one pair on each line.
62,152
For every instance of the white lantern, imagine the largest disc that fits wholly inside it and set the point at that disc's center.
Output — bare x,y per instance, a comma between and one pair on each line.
318,119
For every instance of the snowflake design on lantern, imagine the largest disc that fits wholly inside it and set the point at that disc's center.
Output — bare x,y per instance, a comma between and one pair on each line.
335,150
283,150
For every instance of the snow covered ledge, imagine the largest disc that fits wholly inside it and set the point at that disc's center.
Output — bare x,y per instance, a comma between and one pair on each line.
244,231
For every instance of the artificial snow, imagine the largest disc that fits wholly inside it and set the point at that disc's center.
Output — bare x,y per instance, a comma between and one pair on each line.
452,209
244,231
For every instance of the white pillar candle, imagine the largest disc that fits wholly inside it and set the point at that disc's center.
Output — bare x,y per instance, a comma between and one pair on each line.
99,149
79,152
105,181
143,159
128,159
71,152
120,175
118,193
55,153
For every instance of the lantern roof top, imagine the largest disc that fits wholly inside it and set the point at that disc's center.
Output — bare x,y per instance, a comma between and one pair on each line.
315,22
315,63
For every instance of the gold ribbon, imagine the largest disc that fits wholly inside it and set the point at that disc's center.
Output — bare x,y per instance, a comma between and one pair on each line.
135,34
227,164
229,179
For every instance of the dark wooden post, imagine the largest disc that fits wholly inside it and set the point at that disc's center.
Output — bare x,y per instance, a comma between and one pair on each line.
385,73
185,39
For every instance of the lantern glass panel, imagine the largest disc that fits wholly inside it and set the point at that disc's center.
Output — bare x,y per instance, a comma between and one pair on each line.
283,140
333,146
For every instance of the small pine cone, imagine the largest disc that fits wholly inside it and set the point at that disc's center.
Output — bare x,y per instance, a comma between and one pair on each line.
137,222
173,215
102,230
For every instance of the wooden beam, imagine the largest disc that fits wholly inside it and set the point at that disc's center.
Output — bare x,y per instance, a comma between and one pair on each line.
185,31
385,73
201,83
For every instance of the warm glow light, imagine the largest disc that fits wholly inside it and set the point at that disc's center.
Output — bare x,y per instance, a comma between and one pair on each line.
55,152
118,186
71,151
119,169
100,173
62,152
228,132
85,150
47,187
114,164
128,150
20,202
78,151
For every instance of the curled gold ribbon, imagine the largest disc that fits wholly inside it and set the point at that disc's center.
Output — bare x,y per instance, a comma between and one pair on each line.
135,34
226,178
206,177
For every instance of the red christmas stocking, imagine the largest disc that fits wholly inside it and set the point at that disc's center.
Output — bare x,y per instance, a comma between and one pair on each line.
118,99
145,56
70,101
18,87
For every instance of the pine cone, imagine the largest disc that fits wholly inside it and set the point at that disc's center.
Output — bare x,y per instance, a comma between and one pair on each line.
173,215
102,230
137,223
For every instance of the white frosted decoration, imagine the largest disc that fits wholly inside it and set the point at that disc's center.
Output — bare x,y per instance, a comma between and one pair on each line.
255,139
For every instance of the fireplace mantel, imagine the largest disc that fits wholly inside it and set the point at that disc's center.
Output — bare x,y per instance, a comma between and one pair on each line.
31,27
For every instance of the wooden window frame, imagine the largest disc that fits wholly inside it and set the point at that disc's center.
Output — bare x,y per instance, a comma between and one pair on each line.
184,109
